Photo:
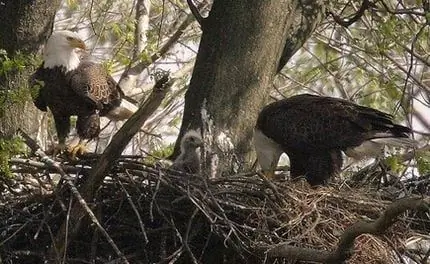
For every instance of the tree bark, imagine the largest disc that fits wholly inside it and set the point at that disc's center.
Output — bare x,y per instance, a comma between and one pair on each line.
239,55
24,27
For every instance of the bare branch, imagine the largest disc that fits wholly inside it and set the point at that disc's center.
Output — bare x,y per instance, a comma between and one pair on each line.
58,247
195,12
124,135
402,11
347,22
142,65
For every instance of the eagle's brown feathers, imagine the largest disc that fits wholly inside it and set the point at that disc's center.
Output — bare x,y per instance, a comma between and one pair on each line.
313,130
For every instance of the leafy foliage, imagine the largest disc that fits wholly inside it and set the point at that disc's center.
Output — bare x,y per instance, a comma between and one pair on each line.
423,162
8,149
158,153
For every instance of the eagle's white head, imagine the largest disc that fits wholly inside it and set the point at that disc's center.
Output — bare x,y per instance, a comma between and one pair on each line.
60,50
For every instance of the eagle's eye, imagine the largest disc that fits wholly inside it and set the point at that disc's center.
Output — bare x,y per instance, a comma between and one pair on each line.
69,38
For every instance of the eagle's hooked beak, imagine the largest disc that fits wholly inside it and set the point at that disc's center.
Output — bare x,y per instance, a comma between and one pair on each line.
77,43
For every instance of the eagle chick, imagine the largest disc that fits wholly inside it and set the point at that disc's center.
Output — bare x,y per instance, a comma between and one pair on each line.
189,160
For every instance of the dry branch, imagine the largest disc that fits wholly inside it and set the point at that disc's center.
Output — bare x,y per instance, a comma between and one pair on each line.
157,215
347,22
195,11
83,206
142,65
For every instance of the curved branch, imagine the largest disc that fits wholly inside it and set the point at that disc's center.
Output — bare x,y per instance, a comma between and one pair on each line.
347,22
195,12
346,244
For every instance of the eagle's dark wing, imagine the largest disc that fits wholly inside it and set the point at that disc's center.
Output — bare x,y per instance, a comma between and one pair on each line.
313,131
309,123
92,83
36,84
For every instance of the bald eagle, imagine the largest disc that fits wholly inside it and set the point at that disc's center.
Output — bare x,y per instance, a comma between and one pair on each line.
313,130
70,85
189,160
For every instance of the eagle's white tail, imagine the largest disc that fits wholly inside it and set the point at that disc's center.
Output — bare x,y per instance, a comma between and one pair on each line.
397,142
124,111
374,147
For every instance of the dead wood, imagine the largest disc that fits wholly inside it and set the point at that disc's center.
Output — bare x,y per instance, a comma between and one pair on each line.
140,213
345,246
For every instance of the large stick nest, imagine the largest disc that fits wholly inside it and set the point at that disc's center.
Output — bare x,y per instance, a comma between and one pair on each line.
156,215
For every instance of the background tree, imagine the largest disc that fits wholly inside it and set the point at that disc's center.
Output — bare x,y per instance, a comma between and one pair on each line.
235,67
24,26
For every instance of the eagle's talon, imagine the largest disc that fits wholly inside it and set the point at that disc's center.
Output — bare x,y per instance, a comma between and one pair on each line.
77,150
56,149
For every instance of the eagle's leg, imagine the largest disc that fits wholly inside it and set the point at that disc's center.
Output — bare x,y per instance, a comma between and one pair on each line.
87,127
59,148
323,166
297,165
62,125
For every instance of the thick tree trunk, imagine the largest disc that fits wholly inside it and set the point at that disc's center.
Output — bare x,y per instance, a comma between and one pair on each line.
239,55
24,26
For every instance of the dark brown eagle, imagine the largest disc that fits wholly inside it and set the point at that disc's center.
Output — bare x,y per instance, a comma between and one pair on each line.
72,86
314,130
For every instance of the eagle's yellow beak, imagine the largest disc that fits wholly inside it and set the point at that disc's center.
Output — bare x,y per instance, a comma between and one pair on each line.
77,43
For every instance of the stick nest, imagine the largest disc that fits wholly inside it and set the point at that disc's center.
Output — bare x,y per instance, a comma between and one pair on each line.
156,215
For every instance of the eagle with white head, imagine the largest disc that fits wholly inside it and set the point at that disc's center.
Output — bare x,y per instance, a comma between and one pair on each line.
69,85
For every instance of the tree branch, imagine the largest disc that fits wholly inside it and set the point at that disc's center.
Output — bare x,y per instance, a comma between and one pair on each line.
142,65
142,25
347,22
124,135
307,16
346,244
196,12
82,205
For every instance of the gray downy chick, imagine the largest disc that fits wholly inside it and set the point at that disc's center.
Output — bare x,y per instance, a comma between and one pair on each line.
189,160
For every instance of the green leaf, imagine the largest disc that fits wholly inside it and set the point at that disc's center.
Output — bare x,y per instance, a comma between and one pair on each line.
423,162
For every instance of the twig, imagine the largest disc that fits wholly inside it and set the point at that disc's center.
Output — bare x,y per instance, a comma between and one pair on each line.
273,188
142,65
187,234
346,23
346,243
62,235
196,12
139,218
